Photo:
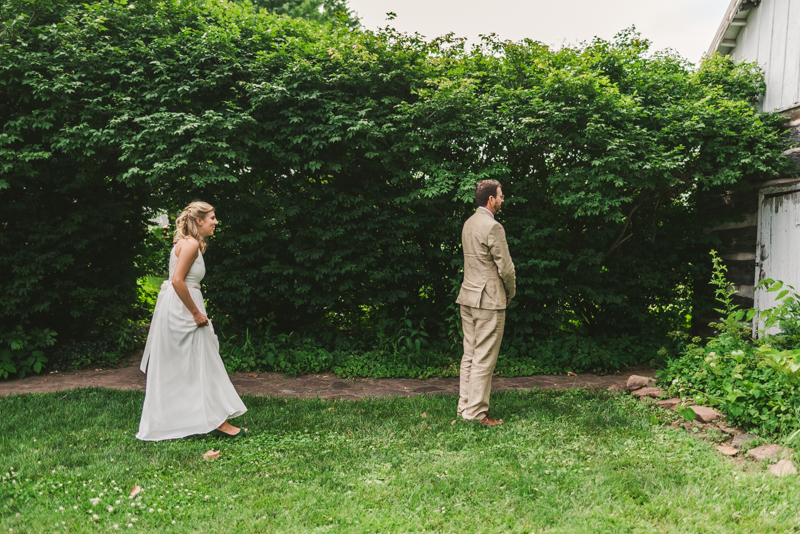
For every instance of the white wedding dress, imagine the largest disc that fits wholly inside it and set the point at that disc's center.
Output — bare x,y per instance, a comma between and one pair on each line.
188,390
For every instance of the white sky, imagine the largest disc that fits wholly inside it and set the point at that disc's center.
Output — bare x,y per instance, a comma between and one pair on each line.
687,26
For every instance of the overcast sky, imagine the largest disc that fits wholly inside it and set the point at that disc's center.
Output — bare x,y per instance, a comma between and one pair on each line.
687,26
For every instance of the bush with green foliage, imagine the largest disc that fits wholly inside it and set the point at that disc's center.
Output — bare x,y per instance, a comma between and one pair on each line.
22,351
756,384
343,163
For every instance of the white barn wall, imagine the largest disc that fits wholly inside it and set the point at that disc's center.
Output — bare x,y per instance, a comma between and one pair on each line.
772,39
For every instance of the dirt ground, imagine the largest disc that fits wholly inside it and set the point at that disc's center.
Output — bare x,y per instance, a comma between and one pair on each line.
325,386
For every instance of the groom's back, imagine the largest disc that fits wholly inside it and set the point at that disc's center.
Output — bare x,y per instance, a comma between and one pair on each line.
489,276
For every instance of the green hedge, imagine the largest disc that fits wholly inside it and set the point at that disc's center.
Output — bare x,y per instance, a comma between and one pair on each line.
343,162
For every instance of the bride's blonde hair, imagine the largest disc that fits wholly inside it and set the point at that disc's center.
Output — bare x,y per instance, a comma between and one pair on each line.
186,223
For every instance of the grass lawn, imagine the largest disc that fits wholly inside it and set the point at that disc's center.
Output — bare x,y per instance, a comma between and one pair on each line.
569,461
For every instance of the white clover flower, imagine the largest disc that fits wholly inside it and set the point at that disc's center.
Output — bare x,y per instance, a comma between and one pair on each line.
116,526
130,526
151,510
173,521
712,353
95,517
74,507
712,364
94,501
110,509
117,502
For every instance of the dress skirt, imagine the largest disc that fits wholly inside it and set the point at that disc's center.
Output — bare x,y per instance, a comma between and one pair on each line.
188,389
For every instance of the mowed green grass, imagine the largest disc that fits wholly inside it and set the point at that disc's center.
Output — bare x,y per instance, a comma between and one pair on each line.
571,461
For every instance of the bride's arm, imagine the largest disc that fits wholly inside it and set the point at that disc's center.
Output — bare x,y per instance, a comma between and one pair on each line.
188,253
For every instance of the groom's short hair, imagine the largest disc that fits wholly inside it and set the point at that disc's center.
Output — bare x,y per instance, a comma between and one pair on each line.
484,190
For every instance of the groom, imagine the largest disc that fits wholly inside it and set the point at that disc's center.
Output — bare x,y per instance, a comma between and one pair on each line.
488,287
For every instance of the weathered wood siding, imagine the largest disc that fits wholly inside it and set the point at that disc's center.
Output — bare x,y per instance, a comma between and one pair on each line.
777,250
772,39
737,249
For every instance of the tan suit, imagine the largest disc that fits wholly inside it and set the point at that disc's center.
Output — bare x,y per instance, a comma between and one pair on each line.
489,280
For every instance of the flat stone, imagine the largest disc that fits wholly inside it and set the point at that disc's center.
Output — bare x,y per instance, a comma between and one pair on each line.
705,414
669,404
649,392
783,468
743,439
727,451
637,382
769,452
727,429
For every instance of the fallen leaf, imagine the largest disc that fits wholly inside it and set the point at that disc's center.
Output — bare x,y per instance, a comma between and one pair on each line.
453,422
135,491
570,373
424,415
254,375
331,409
211,455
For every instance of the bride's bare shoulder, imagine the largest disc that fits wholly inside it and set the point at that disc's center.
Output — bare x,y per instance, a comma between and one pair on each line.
188,244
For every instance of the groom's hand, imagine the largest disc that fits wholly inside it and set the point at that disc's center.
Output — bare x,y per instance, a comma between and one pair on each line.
508,302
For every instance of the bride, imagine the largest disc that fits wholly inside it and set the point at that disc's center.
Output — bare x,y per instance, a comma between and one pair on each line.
188,390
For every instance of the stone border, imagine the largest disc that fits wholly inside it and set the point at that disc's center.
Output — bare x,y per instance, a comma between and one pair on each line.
644,388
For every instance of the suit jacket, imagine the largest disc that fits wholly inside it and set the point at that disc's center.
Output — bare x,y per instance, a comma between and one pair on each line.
489,276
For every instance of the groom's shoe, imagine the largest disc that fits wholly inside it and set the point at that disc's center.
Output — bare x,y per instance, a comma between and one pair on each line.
491,422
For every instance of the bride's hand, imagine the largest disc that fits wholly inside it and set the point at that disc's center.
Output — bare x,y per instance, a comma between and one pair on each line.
200,319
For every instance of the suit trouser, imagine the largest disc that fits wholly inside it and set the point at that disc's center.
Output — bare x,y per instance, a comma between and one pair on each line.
483,333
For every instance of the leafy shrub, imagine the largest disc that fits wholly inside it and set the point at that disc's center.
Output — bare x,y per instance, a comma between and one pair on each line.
154,258
755,384
82,354
22,352
399,356
343,165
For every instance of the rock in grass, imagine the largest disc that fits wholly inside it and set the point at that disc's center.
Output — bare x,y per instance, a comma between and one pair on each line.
637,382
727,451
743,439
649,392
211,455
668,404
783,468
705,414
769,452
727,429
